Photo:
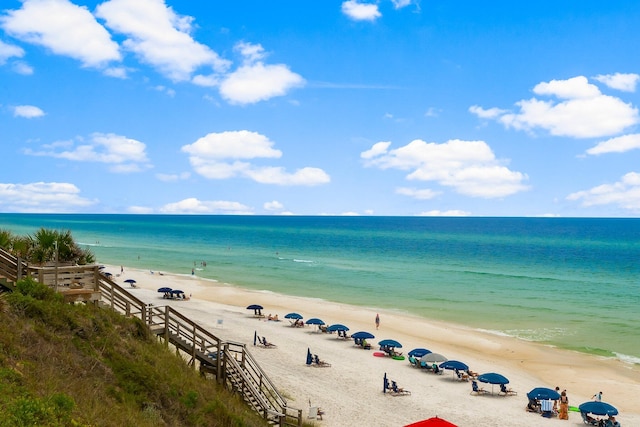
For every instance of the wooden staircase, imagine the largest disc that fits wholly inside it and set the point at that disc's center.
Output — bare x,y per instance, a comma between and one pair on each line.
228,363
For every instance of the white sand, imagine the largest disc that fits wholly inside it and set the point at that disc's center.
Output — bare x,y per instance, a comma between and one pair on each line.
350,391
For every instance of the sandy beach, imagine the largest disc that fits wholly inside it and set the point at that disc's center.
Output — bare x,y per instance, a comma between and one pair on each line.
350,391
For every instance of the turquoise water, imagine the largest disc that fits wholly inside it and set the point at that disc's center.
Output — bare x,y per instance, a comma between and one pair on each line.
573,283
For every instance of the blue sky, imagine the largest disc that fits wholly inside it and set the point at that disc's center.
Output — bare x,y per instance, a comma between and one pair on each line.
393,107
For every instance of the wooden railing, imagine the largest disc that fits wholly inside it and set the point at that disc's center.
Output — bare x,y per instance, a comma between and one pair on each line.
228,362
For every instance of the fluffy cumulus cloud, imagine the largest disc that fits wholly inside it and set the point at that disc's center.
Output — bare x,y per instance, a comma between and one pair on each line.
64,28
27,111
619,81
618,144
469,167
122,154
273,205
228,154
579,110
256,81
195,206
159,37
361,11
624,194
42,197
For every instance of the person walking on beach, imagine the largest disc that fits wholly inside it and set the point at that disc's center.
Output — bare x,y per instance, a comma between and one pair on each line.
377,321
597,397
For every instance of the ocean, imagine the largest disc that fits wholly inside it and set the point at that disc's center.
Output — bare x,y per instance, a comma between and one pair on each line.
573,283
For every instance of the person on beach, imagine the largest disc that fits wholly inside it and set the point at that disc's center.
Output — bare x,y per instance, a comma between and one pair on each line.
555,402
563,414
597,397
377,321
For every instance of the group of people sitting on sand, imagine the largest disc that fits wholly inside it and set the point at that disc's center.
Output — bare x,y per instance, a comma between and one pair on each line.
273,318
391,351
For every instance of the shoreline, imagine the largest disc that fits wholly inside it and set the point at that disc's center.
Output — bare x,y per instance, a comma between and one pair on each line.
221,308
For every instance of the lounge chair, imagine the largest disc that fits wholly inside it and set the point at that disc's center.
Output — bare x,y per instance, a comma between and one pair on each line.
477,390
588,420
320,363
507,391
398,391
414,362
263,341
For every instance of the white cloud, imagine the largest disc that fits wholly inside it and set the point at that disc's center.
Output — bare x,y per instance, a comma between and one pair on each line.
490,113
619,144
273,205
27,111
624,194
121,153
469,167
195,206
453,212
619,81
399,4
218,155
159,37
42,197
63,27
582,112
166,177
22,67
241,144
416,193
9,51
258,82
360,11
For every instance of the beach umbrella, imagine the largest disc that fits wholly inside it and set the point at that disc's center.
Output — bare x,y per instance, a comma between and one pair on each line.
255,337
309,358
432,422
165,290
130,281
543,393
453,365
433,358
598,408
294,316
385,383
314,321
362,335
337,327
106,273
419,352
493,378
256,309
390,343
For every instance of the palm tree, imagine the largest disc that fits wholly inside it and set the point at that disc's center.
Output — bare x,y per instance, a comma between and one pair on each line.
47,244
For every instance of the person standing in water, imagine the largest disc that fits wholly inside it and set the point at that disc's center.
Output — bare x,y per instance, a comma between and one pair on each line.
377,321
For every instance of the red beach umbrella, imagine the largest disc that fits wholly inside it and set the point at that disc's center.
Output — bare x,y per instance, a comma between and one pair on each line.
432,422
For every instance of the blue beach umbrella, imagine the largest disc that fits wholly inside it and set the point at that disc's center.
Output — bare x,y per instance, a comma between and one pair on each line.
257,309
130,281
598,408
255,337
390,343
362,335
337,327
454,364
493,378
314,321
419,352
385,383
294,316
543,393
309,358
165,290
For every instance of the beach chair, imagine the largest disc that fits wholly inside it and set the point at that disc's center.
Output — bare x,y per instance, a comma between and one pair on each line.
414,362
504,391
477,390
586,419
266,344
398,391
320,363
